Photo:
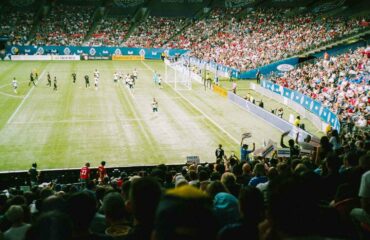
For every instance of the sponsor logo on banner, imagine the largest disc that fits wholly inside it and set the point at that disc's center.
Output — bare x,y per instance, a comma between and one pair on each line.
14,50
118,52
285,67
92,51
142,52
130,52
40,51
67,51
105,52
80,51
27,50
154,53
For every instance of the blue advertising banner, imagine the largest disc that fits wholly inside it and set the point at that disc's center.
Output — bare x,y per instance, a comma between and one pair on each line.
149,53
214,67
308,103
283,65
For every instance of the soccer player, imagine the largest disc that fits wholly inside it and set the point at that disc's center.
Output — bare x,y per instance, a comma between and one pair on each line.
155,77
159,79
74,76
32,80
87,81
131,82
127,79
134,73
96,73
115,78
155,105
102,172
49,80
55,84
234,86
15,85
85,173
96,83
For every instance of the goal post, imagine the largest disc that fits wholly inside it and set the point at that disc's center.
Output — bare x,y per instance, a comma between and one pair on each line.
178,74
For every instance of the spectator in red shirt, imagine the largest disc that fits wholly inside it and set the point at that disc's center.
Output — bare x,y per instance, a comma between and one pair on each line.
102,172
85,173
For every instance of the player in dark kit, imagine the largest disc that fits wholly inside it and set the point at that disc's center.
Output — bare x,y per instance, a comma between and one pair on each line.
74,77
87,81
49,80
32,80
55,84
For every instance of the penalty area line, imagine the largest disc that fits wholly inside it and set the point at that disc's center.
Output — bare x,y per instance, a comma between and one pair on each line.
23,100
197,108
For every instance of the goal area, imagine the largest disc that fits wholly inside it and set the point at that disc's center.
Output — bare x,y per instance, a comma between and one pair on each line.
178,74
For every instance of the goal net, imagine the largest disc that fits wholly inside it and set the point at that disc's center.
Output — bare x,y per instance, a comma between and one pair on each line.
178,74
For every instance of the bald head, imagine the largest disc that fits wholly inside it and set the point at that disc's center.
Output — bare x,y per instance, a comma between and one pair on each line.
247,168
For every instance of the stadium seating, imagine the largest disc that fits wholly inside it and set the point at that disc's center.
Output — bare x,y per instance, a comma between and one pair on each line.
340,83
154,32
110,32
16,25
64,25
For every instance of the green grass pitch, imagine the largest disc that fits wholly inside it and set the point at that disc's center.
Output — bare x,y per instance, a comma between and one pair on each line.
73,125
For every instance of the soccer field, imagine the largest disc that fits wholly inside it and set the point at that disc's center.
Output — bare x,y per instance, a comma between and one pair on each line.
75,124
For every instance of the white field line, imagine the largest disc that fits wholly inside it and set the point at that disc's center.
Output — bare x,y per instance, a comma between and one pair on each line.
10,95
25,98
198,109
92,120
9,84
5,85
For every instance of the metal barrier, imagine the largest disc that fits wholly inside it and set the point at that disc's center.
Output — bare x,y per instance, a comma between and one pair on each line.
316,120
268,117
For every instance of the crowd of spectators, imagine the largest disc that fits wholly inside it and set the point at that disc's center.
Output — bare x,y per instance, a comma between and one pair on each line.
260,37
110,32
154,32
321,195
16,25
340,83
64,25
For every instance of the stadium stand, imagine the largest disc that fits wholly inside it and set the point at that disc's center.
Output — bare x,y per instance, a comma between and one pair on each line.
64,25
16,25
340,83
325,195
110,32
259,38
154,32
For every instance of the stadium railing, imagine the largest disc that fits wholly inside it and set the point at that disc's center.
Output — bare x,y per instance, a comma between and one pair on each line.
319,115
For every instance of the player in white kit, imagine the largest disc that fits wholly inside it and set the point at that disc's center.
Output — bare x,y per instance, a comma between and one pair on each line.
15,85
